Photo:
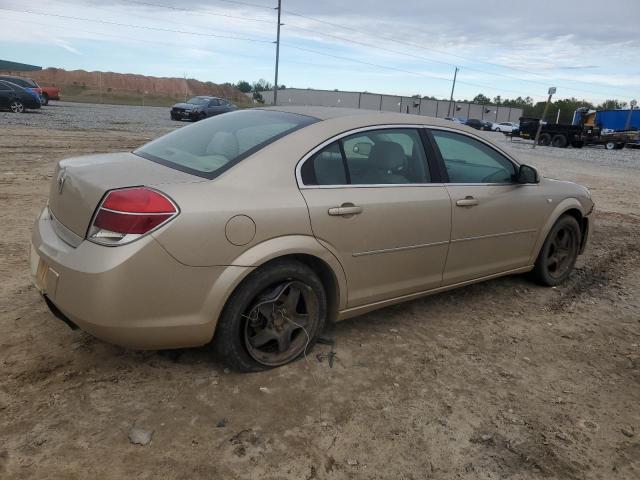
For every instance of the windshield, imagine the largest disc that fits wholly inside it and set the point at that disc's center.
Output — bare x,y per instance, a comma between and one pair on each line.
211,146
198,101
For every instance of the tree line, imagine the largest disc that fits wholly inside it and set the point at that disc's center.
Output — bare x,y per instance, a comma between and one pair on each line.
566,106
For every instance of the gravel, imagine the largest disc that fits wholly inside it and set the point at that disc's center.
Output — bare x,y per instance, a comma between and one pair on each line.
155,121
595,155
89,116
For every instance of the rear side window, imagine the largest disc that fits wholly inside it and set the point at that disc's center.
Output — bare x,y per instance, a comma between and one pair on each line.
373,157
468,160
211,146
325,168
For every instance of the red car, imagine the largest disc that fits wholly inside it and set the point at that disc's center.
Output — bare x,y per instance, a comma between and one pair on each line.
49,93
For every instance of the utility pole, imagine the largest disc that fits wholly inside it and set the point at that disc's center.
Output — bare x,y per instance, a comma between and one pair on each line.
275,83
100,85
552,90
633,105
453,87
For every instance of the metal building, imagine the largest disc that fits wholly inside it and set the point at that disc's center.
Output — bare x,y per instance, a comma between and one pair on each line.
393,103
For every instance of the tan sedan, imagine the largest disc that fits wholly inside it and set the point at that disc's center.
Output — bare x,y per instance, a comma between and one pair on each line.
256,227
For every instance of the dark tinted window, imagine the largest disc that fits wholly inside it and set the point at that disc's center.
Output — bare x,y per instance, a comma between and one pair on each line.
214,103
325,168
470,161
211,146
5,86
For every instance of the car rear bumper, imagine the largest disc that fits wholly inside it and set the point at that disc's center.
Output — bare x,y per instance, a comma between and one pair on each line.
134,295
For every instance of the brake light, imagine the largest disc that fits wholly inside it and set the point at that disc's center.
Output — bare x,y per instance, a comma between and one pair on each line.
128,213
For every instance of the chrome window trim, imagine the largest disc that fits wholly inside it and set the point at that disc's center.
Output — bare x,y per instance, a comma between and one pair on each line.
347,133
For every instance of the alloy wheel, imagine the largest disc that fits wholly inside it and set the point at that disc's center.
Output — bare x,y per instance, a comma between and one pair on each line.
562,252
17,107
278,325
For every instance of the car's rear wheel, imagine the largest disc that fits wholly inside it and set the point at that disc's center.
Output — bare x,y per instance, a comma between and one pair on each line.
272,318
16,106
45,99
559,252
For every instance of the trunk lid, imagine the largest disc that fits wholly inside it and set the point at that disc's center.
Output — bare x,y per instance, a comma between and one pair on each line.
79,184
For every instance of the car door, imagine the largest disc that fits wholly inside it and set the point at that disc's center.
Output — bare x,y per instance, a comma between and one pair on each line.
376,202
213,107
495,220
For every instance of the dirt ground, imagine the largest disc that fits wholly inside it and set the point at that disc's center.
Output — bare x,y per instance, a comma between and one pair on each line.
503,379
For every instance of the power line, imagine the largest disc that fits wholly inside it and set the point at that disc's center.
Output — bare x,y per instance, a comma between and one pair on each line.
204,12
397,69
378,36
107,22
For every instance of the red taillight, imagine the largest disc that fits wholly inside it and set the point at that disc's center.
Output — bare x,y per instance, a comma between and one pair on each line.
128,213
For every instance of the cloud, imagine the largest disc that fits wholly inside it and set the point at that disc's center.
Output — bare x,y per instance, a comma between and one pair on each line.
66,45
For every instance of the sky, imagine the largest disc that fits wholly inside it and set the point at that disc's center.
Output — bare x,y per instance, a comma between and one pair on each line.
412,47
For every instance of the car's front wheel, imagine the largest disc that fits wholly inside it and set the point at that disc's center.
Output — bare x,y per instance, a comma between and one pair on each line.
16,106
272,318
559,252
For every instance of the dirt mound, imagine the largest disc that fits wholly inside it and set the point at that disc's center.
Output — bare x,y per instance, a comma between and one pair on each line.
128,82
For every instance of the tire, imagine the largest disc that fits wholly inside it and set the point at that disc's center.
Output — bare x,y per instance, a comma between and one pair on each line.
559,141
45,99
610,145
16,106
577,144
177,119
544,140
257,320
559,252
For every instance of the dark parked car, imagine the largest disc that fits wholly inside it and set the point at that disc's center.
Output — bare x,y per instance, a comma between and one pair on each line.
16,98
24,82
201,107
478,124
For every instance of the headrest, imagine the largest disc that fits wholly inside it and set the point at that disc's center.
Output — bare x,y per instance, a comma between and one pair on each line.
223,143
387,155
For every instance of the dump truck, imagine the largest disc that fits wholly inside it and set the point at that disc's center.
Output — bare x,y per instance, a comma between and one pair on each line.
585,130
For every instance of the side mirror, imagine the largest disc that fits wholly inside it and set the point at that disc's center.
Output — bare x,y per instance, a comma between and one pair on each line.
527,174
362,148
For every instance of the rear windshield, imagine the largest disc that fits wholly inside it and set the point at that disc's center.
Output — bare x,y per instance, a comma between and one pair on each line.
211,146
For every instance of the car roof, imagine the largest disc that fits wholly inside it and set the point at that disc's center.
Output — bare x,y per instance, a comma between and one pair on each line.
366,117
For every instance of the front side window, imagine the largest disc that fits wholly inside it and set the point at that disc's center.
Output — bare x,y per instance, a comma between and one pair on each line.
373,157
468,160
212,146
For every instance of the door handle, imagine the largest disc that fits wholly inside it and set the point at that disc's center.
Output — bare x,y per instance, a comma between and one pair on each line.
467,201
345,210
